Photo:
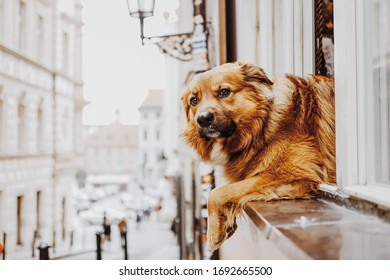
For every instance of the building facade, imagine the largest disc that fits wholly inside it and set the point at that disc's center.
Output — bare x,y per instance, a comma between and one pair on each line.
150,140
112,150
40,118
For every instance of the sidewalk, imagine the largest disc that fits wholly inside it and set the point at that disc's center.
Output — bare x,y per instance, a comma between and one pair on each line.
152,241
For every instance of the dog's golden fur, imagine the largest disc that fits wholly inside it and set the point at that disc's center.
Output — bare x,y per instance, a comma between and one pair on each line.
274,139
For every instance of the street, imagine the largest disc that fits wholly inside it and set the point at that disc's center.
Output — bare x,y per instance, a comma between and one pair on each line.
151,239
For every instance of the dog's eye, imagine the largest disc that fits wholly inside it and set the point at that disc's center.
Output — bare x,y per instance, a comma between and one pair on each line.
223,93
194,101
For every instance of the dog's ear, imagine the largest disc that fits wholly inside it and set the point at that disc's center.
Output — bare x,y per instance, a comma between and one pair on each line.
253,73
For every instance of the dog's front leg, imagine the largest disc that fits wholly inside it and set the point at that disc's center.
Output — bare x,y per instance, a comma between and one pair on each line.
226,202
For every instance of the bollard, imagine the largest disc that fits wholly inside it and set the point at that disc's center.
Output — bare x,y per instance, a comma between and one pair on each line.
125,245
33,244
54,240
71,238
98,246
44,251
4,244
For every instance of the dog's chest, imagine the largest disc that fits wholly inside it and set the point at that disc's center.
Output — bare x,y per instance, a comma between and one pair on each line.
217,156
219,160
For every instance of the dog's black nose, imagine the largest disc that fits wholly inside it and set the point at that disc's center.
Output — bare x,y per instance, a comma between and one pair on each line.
205,118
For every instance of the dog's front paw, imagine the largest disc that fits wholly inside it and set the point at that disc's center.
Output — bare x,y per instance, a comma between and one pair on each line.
221,221
218,231
215,233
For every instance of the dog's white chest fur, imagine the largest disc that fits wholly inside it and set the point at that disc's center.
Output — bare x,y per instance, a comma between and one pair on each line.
217,156
219,160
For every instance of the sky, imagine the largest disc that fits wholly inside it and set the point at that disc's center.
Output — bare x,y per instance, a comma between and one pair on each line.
117,70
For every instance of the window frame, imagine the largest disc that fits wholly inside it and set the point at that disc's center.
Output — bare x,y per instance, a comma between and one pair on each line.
41,32
22,125
22,26
286,46
351,153
65,67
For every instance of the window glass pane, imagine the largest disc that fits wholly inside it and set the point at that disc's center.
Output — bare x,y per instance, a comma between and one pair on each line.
22,25
40,38
65,51
22,125
377,67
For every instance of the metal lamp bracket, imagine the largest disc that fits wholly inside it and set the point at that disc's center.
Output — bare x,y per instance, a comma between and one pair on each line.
178,46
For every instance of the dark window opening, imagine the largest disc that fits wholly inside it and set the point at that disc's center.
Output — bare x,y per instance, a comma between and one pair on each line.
324,37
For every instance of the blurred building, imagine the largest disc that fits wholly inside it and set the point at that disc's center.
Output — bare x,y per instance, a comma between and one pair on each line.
40,118
111,153
150,139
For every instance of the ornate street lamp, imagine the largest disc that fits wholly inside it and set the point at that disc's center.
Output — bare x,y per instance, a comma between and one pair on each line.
178,45
141,9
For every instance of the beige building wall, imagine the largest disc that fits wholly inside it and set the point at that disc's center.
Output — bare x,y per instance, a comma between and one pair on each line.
112,149
39,105
150,139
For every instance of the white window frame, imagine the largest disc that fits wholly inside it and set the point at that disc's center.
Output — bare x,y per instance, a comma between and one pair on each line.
22,34
41,11
286,31
350,104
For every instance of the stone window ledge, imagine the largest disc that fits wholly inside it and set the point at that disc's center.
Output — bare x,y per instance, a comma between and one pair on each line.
316,229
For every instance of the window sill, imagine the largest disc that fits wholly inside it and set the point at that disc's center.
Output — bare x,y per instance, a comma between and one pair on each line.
374,200
317,229
376,194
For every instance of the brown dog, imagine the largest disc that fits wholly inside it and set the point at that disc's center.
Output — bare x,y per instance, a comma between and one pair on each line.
274,139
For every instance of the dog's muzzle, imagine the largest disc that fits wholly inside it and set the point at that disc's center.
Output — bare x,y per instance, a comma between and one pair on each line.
210,126
205,118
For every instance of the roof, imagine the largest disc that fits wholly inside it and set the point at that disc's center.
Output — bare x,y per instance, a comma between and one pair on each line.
154,99
114,135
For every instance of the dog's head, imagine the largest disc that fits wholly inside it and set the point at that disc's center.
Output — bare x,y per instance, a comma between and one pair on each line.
228,103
